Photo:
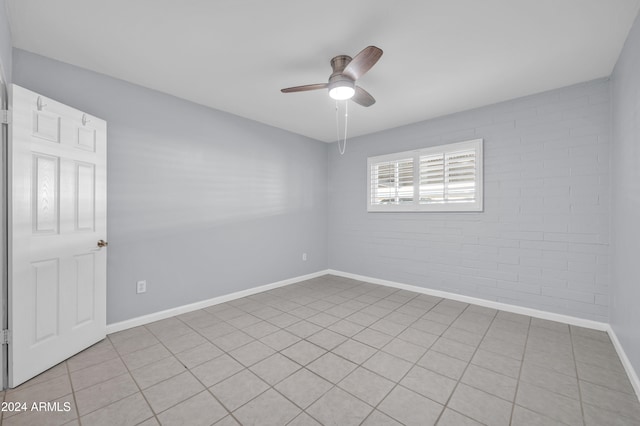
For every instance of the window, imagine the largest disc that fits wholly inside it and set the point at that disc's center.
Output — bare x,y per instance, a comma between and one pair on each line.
440,178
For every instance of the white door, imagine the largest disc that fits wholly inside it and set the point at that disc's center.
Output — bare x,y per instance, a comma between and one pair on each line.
57,276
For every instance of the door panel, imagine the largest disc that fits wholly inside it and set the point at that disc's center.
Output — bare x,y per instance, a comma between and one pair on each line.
46,193
87,139
85,197
44,298
85,288
57,285
46,126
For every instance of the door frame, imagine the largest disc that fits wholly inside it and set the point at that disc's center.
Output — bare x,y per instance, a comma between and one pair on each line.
4,239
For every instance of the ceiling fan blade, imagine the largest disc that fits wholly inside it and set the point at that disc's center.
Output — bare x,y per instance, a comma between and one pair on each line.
305,88
362,62
363,97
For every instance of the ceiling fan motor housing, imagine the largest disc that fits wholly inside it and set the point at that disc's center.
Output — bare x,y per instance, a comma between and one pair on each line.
338,63
339,80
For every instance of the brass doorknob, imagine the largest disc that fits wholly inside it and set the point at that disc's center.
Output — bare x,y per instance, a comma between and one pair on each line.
102,243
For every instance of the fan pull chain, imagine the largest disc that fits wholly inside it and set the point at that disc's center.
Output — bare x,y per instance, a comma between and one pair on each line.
342,147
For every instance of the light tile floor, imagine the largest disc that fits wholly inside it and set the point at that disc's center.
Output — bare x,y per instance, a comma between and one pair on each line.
334,351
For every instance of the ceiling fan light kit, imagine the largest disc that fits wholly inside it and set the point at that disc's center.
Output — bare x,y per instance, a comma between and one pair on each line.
342,90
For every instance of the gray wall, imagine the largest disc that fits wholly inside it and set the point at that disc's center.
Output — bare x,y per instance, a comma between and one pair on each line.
5,43
625,179
201,203
543,238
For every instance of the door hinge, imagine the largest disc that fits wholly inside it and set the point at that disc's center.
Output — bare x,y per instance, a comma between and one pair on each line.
5,116
5,337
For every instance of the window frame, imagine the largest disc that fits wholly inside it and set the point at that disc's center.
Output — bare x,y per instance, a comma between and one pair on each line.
415,206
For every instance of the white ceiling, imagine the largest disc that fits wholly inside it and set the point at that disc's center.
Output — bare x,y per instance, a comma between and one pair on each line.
440,56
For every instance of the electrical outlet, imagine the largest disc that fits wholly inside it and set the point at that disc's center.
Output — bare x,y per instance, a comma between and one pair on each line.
141,286
304,257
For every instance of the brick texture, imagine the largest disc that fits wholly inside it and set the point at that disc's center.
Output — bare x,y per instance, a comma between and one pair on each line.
543,238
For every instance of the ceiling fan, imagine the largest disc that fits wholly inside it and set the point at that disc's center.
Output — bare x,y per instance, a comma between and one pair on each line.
342,82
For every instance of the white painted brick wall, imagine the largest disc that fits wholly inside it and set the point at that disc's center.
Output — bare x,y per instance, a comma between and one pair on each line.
543,238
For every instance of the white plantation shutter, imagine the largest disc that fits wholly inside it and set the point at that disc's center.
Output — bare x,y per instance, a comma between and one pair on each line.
441,178
448,178
432,176
391,182
461,174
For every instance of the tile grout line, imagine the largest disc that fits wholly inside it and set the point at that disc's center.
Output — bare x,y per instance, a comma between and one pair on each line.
575,363
361,365
441,335
160,342
134,381
395,337
334,386
446,404
73,393
208,389
93,411
579,400
326,351
228,353
524,352
304,367
397,383
169,378
224,352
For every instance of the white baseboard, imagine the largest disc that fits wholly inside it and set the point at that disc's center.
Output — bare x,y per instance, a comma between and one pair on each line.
626,362
536,313
157,316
